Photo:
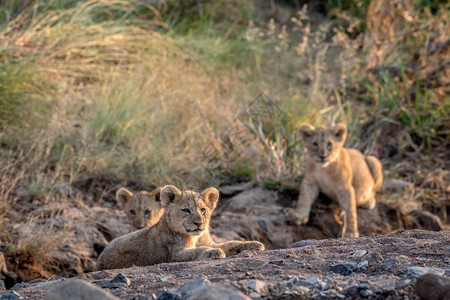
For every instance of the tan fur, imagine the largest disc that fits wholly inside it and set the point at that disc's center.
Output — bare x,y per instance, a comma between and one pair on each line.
182,234
343,174
142,209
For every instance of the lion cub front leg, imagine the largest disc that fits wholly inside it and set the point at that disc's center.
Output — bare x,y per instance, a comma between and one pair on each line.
198,253
308,193
347,201
235,247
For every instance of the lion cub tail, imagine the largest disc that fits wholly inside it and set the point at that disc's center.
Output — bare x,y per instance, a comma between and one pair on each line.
376,169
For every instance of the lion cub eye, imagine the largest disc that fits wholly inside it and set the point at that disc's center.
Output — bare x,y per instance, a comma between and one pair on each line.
315,145
329,146
203,210
132,212
186,211
147,213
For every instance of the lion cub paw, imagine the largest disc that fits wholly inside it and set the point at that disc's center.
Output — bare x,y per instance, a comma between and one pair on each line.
296,219
213,253
253,246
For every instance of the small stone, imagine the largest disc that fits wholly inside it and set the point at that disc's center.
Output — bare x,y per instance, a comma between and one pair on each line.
345,268
419,271
192,285
351,291
254,295
258,286
20,285
389,287
165,278
305,243
364,285
362,264
340,296
167,295
120,278
325,285
358,253
395,185
311,280
390,261
365,293
2,286
374,257
293,280
12,295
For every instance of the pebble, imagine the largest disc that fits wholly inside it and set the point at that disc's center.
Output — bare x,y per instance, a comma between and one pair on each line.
254,295
12,295
258,286
120,278
2,286
293,280
192,285
345,268
365,293
120,281
362,264
167,295
391,286
311,280
340,296
76,289
351,291
390,261
358,253
424,270
208,292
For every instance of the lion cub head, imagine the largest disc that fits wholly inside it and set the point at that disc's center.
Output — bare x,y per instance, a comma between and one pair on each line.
324,144
188,212
143,209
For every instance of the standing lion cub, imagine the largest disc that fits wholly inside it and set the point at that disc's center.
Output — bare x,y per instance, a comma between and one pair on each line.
182,234
344,175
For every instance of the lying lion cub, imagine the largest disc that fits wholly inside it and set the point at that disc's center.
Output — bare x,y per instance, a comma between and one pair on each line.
182,234
143,209
345,175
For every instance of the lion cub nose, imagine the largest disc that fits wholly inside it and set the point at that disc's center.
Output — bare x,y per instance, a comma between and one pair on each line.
198,224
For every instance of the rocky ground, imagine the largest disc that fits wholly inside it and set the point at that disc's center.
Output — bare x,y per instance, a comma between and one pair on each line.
376,267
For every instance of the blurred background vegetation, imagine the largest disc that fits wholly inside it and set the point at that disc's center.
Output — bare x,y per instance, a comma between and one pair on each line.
143,93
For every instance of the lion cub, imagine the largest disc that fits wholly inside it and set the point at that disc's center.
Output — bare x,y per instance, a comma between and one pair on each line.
143,209
182,234
345,175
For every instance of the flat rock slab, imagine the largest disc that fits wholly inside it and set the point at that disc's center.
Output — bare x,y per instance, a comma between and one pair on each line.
287,273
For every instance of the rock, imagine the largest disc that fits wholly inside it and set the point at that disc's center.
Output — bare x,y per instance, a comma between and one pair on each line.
419,271
189,287
345,268
20,285
76,289
257,286
2,286
12,295
395,185
209,292
311,280
120,281
358,253
167,295
391,286
120,278
362,264
374,257
365,293
432,287
249,197
293,280
390,261
340,296
427,220
305,243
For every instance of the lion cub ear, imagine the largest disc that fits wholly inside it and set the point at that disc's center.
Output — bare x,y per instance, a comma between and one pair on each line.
123,196
210,197
340,132
169,194
156,193
307,131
